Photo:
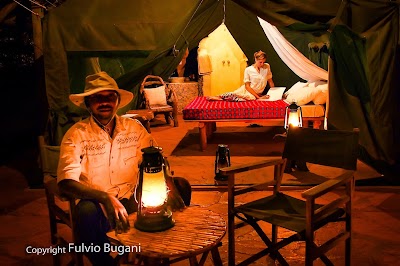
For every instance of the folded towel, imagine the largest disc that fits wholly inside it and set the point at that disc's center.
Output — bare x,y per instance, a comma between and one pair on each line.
204,62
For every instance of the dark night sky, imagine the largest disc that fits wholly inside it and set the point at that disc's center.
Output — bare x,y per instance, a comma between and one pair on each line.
19,108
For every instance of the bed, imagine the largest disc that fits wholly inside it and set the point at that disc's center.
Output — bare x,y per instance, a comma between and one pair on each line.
207,113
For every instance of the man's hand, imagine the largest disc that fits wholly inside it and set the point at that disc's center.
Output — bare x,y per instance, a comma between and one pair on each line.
116,214
115,211
174,199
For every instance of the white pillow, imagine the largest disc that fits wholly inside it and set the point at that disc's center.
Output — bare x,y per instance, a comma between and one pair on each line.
156,96
304,96
322,95
316,83
301,93
296,87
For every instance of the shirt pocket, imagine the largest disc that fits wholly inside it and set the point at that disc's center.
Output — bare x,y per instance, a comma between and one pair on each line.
130,160
129,169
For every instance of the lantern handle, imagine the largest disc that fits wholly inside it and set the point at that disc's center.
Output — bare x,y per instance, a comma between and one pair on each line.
167,167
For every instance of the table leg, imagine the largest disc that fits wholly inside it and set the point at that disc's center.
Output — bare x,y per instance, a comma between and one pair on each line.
215,256
193,261
203,258
316,124
203,135
211,128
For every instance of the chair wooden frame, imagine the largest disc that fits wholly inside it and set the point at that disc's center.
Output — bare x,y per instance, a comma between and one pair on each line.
315,216
170,110
57,214
61,208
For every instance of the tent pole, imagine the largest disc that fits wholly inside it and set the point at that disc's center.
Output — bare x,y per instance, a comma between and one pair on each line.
37,30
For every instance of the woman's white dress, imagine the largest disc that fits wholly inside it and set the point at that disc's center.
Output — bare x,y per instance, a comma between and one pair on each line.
258,81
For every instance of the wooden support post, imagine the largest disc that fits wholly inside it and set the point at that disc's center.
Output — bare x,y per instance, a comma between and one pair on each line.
40,87
37,31
203,135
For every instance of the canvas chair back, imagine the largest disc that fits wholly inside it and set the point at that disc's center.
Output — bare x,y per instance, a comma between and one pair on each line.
336,148
49,156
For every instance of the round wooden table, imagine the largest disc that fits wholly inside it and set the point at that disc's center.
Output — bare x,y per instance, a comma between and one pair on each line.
196,231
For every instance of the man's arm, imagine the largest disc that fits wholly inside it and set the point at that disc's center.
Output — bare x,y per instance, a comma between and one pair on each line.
116,212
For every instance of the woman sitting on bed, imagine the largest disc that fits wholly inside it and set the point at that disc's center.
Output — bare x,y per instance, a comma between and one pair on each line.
256,77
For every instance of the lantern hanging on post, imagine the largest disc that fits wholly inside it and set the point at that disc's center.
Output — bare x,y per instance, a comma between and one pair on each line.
152,193
222,159
293,115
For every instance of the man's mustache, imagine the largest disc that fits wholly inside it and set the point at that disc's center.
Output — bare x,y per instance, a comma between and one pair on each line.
106,106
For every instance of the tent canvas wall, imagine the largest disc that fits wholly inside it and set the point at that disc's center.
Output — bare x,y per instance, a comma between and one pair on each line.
363,71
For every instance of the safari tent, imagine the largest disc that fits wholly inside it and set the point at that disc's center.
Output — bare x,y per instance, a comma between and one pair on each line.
131,39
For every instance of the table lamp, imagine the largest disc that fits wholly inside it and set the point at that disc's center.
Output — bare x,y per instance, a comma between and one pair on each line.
152,193
293,115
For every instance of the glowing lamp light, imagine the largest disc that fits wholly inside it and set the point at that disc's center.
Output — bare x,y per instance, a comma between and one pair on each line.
152,193
154,190
293,115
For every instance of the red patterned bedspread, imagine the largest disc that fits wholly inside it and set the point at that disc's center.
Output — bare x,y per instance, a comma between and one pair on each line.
202,109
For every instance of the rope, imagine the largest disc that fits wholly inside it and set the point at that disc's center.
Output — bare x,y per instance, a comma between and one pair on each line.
38,4
26,8
224,8
175,51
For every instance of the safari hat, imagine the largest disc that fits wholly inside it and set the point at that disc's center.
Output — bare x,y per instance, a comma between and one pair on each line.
100,82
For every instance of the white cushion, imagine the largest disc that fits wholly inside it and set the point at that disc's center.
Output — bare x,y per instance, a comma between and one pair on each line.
156,96
316,83
296,87
301,93
322,94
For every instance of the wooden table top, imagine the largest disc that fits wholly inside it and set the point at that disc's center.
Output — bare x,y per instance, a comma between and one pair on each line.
196,230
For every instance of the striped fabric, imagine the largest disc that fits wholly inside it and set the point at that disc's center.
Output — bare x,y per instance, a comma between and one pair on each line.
202,109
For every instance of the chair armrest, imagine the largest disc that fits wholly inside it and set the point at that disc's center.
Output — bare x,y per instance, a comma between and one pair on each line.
328,185
52,187
249,166
172,96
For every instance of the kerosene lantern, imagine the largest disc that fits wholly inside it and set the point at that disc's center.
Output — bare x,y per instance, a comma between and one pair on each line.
222,159
152,193
293,115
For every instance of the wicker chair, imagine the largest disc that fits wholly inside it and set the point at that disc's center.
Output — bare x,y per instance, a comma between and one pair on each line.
150,90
